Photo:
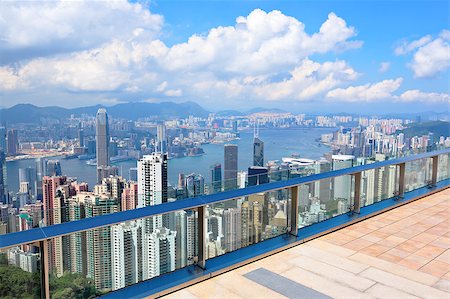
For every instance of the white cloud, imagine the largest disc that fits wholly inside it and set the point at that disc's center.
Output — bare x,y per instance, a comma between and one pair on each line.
409,47
416,95
384,66
264,56
431,56
41,28
384,90
367,92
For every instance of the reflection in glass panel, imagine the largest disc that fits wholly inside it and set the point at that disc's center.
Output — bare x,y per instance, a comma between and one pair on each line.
238,223
20,272
443,167
418,174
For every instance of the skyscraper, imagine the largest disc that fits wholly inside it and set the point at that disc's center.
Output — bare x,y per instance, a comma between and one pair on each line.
257,175
258,149
102,141
12,142
53,168
161,138
2,177
231,166
81,137
3,139
216,177
152,189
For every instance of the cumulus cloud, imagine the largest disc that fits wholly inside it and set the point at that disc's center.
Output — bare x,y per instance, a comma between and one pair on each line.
384,90
263,56
431,56
367,92
30,29
417,95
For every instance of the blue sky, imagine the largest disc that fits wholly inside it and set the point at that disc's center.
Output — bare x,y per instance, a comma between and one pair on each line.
381,56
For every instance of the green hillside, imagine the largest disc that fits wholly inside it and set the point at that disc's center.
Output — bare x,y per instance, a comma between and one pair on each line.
439,128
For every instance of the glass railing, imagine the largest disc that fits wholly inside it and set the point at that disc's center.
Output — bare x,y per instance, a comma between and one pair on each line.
93,248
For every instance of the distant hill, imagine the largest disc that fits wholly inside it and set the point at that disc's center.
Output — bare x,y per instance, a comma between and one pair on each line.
261,109
225,113
438,128
27,113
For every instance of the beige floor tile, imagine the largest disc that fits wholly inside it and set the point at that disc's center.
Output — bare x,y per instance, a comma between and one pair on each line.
357,244
444,257
414,261
331,259
244,287
333,273
331,248
395,268
181,294
385,292
323,285
211,290
430,252
443,285
375,249
436,268
403,284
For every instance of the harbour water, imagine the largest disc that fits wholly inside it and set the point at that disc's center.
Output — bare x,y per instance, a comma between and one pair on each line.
278,143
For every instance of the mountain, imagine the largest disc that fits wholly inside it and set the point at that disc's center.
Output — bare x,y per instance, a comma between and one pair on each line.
261,109
438,128
28,113
226,113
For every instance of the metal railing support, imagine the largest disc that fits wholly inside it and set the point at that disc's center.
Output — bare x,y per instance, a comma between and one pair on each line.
45,286
434,172
357,195
294,211
201,255
401,179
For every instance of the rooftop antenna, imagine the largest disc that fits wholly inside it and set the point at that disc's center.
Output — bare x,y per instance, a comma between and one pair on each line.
257,129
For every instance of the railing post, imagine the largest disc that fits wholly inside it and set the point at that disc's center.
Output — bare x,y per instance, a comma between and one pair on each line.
201,256
401,180
294,211
45,286
357,195
434,172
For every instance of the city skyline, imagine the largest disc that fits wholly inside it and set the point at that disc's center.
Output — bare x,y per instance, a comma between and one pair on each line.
332,54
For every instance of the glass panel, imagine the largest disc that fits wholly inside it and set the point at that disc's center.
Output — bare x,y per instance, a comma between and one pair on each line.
113,257
238,223
20,275
418,174
443,167
324,199
378,184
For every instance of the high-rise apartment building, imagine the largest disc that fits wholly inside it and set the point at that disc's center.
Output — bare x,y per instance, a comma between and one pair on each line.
158,252
126,254
161,139
231,166
232,229
102,141
152,186
342,184
98,243
3,146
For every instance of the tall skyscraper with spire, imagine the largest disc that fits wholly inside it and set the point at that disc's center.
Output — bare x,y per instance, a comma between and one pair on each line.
258,148
102,142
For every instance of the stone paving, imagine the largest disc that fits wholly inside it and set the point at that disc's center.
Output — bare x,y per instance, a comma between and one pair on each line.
403,253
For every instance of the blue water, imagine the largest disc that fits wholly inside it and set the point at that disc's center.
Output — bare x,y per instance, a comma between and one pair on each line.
278,143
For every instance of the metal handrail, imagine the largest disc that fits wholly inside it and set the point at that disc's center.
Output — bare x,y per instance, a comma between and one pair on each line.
58,230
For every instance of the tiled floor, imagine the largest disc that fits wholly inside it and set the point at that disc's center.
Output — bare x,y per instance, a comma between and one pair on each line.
403,253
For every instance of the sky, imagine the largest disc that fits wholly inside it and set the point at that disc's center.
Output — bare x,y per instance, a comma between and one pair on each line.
299,56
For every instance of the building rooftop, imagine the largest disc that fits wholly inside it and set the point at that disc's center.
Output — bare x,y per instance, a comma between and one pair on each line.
402,253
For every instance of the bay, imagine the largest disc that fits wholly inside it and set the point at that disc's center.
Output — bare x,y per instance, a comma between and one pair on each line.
278,143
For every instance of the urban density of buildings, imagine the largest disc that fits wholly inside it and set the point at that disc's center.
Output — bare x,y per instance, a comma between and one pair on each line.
120,255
